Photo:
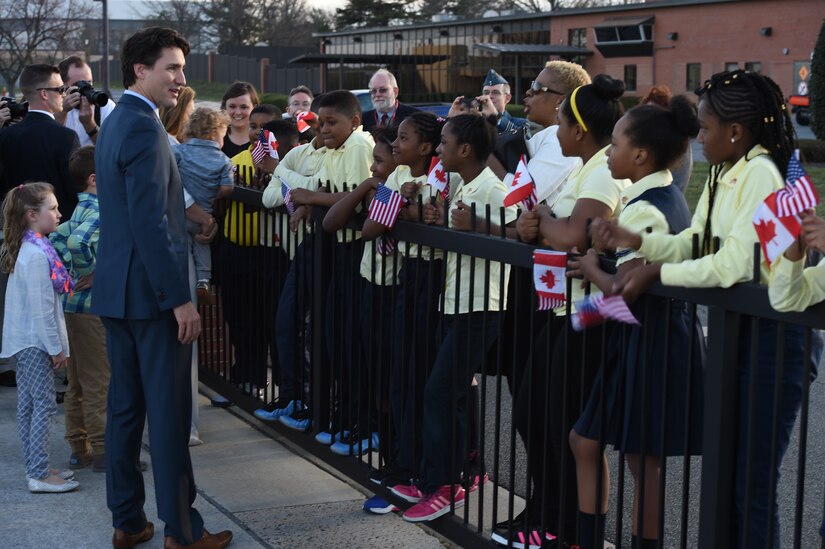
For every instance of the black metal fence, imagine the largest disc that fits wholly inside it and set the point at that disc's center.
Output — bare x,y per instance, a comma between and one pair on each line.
293,317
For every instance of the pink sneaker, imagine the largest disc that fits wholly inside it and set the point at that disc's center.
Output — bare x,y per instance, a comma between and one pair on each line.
476,481
409,493
434,505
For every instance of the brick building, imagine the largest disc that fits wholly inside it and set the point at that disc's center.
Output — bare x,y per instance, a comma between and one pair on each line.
679,43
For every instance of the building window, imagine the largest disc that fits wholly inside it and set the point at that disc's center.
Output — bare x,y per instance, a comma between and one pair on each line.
577,38
753,66
730,67
693,76
630,77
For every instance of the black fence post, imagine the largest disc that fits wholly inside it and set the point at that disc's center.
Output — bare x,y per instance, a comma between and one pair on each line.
322,271
716,512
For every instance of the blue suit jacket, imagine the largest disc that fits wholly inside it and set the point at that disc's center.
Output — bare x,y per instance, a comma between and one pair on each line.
142,266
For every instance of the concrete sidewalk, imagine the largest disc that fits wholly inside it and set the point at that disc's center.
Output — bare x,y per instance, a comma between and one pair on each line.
269,496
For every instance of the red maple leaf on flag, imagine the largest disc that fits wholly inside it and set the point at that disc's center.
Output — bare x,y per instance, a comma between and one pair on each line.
548,279
516,177
766,230
441,175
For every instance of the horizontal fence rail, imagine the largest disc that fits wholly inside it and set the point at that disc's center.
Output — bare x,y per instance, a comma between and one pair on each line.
374,354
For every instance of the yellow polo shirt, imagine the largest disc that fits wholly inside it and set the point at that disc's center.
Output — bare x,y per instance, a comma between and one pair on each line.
297,168
594,181
350,163
397,178
741,188
484,189
242,224
795,288
640,215
386,267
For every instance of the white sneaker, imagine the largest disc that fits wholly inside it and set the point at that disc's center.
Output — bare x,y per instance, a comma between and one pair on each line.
38,486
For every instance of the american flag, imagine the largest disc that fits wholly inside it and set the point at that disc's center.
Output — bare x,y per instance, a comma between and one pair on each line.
385,244
549,278
385,206
266,145
286,192
799,193
595,309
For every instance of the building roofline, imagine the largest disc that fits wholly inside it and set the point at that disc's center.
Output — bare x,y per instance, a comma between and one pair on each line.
650,4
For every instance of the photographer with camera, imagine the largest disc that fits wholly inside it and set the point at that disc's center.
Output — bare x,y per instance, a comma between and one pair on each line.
84,108
38,148
12,112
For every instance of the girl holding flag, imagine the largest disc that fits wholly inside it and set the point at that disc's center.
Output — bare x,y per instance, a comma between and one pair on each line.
586,120
748,139
420,282
640,367
471,317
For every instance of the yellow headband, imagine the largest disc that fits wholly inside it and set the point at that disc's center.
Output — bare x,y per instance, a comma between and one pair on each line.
576,109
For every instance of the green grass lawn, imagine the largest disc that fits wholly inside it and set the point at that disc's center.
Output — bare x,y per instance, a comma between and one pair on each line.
700,174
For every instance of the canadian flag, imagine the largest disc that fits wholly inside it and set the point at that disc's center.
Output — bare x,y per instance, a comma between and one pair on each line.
522,189
775,233
437,177
272,143
549,278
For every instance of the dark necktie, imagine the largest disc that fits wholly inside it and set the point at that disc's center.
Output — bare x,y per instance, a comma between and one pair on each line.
383,123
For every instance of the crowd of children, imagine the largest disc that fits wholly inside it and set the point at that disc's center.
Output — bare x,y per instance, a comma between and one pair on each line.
408,326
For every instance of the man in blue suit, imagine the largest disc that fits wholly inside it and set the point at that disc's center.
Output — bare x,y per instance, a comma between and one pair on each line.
142,295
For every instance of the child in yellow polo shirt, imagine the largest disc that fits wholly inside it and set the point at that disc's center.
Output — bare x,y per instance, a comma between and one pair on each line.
629,392
748,139
471,314
345,164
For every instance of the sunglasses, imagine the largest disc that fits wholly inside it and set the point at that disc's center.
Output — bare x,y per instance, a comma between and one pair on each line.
60,89
382,91
536,88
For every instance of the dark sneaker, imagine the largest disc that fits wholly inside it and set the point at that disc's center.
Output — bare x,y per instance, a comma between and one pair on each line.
379,506
391,475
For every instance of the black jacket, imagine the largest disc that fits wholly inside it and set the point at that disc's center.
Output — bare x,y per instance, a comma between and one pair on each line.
370,119
38,149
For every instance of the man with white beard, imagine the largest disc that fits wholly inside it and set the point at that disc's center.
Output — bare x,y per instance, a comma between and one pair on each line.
387,111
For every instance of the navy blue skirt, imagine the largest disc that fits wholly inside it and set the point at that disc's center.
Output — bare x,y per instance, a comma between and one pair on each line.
652,374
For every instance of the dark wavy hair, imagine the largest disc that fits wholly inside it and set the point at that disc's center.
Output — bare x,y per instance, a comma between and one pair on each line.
145,47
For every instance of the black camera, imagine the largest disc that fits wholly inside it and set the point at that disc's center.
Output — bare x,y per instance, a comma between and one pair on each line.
470,103
16,110
94,96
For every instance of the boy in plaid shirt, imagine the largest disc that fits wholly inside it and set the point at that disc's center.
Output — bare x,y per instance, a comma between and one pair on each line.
88,369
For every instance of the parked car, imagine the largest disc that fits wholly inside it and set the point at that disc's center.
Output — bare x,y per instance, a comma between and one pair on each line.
438,109
364,99
801,107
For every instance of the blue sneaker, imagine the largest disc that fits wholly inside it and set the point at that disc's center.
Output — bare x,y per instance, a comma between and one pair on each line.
299,420
326,438
349,446
379,506
276,413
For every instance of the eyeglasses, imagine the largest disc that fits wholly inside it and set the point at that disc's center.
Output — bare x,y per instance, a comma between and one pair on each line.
382,91
536,87
60,89
300,104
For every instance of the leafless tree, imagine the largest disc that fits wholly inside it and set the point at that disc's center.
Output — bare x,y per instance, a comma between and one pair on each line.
35,31
185,16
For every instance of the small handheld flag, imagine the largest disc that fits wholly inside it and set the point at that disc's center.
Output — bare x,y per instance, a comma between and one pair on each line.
286,193
522,189
438,178
549,270
302,120
595,309
385,206
799,193
260,151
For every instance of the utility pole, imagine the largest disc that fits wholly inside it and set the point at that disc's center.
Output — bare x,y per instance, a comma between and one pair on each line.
104,66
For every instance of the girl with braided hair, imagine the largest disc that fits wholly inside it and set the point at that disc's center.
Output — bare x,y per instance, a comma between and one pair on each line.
748,139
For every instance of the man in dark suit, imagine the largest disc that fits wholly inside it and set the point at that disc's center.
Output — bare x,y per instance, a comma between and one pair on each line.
38,148
141,292
387,111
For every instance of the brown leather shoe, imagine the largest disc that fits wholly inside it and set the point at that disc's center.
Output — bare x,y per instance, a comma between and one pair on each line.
125,540
208,541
